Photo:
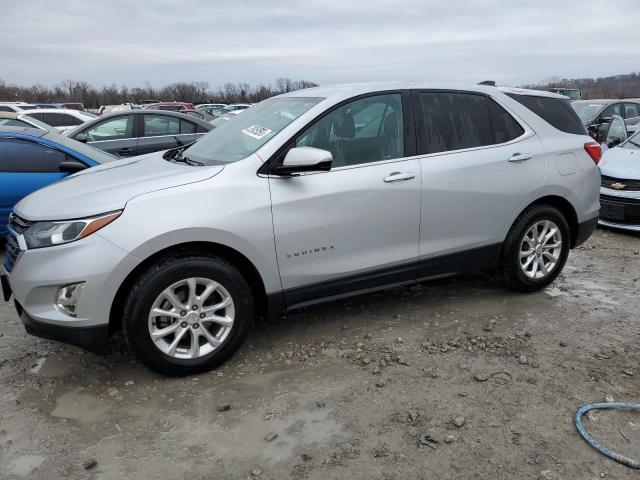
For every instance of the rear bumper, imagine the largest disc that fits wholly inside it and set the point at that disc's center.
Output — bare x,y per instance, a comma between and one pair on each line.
584,231
94,339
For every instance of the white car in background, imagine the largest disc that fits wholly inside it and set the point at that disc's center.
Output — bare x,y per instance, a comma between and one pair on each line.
235,106
620,187
62,119
11,119
15,106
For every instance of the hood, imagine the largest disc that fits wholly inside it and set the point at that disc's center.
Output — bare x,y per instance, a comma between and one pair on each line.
621,163
108,187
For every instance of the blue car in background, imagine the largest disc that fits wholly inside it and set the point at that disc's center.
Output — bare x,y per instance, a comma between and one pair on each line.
31,159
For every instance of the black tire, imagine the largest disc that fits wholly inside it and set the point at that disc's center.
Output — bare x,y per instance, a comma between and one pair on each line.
510,270
166,272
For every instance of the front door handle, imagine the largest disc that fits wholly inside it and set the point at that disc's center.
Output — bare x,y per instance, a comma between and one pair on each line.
125,151
399,177
520,157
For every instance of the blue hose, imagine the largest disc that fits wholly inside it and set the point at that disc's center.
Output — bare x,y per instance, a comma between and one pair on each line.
630,462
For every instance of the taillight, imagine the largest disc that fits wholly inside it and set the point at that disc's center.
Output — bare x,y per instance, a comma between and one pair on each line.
594,151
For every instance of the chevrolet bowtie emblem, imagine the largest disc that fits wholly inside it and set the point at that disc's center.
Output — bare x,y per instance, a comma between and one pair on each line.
618,185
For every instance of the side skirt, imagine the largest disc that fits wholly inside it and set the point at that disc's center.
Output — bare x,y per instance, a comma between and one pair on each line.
477,259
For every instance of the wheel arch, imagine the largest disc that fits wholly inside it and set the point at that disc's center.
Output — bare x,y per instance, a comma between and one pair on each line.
565,207
237,259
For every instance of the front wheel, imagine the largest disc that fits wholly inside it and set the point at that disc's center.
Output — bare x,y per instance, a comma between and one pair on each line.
536,249
187,314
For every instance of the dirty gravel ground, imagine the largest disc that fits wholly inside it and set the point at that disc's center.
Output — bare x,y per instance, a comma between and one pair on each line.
369,387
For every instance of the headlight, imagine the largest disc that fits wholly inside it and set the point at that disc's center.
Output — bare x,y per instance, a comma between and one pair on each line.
46,234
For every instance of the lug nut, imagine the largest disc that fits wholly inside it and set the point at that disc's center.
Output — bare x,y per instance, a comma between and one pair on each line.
183,313
202,315
195,325
183,324
194,307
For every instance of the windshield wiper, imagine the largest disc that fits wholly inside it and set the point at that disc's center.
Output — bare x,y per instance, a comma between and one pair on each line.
176,155
188,161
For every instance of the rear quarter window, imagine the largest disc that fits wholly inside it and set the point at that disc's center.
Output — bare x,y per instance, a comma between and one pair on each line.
555,111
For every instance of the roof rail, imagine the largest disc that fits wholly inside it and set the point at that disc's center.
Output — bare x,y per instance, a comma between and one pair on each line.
489,83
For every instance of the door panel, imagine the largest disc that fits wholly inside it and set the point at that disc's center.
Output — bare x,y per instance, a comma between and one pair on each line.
470,197
345,222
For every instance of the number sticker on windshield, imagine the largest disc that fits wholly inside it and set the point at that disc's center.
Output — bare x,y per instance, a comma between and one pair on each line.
256,131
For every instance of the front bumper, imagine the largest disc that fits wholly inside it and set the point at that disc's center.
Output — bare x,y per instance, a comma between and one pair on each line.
94,339
620,209
37,275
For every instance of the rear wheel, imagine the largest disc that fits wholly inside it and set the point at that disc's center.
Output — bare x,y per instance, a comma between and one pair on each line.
536,249
187,314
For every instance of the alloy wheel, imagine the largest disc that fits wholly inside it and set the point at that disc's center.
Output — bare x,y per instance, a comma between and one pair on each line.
191,318
540,249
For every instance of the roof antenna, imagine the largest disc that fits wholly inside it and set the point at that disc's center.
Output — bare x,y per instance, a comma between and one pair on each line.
489,83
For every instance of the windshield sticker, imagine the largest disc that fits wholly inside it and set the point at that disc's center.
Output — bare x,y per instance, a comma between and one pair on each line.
256,131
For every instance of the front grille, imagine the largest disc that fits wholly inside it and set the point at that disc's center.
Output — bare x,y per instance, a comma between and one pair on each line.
620,210
17,226
620,183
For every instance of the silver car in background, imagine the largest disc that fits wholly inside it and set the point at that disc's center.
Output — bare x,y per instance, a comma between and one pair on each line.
306,197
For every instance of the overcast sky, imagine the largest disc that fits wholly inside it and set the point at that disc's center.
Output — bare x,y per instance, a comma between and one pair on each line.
326,41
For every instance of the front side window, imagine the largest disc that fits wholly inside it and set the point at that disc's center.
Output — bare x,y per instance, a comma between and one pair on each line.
611,110
117,128
159,125
22,156
365,130
452,121
241,136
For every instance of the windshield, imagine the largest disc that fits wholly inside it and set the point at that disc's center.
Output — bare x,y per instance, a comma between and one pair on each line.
633,143
241,136
586,111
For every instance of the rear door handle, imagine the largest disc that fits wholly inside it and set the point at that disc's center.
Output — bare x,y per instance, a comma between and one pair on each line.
399,177
520,157
125,151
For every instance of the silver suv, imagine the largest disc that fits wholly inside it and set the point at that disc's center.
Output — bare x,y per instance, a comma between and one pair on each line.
310,196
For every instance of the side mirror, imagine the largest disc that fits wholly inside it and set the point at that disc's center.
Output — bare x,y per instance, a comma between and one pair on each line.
304,159
614,142
81,137
71,166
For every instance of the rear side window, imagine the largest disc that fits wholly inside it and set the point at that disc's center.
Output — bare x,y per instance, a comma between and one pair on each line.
61,120
505,127
5,109
555,111
27,157
452,121
160,125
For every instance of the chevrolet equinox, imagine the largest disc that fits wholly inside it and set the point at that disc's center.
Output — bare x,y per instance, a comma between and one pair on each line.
310,196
